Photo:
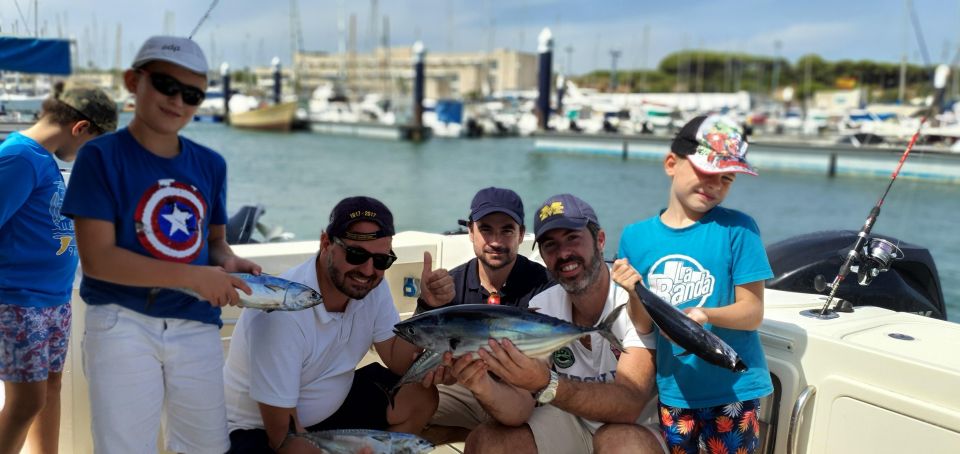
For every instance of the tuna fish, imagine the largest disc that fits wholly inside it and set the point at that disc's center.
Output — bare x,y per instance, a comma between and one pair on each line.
687,333
271,293
466,328
352,441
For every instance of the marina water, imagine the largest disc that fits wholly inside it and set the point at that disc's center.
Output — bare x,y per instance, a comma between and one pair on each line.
299,177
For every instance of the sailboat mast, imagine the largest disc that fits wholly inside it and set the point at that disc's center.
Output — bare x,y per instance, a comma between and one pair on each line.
903,55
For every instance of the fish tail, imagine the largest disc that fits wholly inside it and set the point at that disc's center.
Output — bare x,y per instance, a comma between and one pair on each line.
605,328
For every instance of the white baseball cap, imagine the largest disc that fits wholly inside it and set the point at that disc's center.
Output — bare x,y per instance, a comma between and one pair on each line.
174,49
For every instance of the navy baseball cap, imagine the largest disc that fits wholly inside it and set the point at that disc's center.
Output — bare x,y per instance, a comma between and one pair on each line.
563,211
356,209
496,200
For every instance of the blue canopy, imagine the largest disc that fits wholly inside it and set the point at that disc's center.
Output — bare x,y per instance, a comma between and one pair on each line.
33,55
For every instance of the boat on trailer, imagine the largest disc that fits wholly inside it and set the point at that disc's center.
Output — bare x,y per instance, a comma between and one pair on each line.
868,381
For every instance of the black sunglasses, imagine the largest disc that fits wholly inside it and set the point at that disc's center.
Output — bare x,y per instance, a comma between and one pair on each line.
169,86
359,256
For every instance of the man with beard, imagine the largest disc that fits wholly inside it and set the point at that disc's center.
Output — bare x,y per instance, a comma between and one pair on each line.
585,385
497,275
299,366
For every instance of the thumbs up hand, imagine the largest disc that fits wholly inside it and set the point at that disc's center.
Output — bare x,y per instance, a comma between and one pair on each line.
436,286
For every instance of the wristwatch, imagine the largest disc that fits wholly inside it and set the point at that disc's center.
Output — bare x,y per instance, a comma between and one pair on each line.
546,395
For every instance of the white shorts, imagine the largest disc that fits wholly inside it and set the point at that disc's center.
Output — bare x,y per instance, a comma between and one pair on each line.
142,370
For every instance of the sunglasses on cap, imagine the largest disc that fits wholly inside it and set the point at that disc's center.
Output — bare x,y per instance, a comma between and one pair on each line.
169,86
359,256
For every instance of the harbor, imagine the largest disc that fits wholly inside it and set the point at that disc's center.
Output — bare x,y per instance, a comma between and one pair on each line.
785,203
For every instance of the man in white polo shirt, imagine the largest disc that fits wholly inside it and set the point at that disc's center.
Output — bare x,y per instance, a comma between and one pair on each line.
300,365
588,396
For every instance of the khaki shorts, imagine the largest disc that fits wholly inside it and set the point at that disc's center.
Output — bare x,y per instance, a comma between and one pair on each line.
557,431
458,408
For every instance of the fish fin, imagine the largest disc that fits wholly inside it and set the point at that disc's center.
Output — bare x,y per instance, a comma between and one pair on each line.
391,393
605,328
685,353
275,287
533,309
454,341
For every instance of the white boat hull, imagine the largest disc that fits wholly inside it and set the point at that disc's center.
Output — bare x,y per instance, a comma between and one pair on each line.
864,391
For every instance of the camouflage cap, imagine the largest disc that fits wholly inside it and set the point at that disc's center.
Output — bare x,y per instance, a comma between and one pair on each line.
93,104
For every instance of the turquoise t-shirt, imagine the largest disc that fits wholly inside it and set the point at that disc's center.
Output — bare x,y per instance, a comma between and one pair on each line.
700,266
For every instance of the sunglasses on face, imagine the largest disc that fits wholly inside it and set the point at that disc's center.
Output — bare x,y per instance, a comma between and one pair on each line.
359,256
169,86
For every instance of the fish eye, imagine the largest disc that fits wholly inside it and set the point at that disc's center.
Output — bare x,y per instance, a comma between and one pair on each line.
410,331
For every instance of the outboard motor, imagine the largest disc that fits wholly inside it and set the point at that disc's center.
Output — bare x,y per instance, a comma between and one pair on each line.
242,225
802,263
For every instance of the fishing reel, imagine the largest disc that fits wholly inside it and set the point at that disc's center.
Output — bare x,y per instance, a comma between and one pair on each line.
876,258
872,259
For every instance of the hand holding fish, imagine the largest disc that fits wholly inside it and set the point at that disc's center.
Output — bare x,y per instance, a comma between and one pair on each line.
436,286
697,314
511,365
216,286
471,372
234,264
442,374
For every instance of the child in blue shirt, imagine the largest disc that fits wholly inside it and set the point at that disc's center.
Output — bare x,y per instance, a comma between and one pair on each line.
38,261
150,212
708,261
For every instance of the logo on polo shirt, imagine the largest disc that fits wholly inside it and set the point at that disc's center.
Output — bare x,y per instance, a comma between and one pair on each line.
680,279
564,358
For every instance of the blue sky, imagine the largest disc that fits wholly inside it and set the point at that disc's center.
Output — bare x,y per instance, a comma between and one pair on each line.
251,32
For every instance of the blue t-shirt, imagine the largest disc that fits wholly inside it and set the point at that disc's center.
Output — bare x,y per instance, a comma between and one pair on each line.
160,207
38,256
700,265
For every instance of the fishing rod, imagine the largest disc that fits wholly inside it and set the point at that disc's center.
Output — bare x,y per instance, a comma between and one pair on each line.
881,252
204,18
854,253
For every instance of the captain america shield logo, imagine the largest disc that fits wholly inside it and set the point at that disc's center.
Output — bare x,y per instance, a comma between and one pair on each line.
169,221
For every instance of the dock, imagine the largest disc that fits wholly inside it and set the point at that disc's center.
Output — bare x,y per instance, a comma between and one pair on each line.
925,163
370,130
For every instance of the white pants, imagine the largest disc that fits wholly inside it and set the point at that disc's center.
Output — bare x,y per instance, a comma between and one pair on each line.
143,369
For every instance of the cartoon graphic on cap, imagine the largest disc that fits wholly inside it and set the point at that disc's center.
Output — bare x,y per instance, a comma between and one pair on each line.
721,147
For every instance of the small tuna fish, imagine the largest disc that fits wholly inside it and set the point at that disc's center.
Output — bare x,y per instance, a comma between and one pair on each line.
688,334
466,328
351,441
425,362
270,293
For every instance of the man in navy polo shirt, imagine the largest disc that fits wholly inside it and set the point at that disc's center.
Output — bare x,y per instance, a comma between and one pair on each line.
497,275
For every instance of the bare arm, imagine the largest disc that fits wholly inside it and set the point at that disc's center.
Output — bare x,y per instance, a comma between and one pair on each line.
746,313
397,354
103,259
222,255
505,403
620,401
276,422
626,276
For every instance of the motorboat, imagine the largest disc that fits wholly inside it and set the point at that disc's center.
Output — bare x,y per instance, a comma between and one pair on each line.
869,380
